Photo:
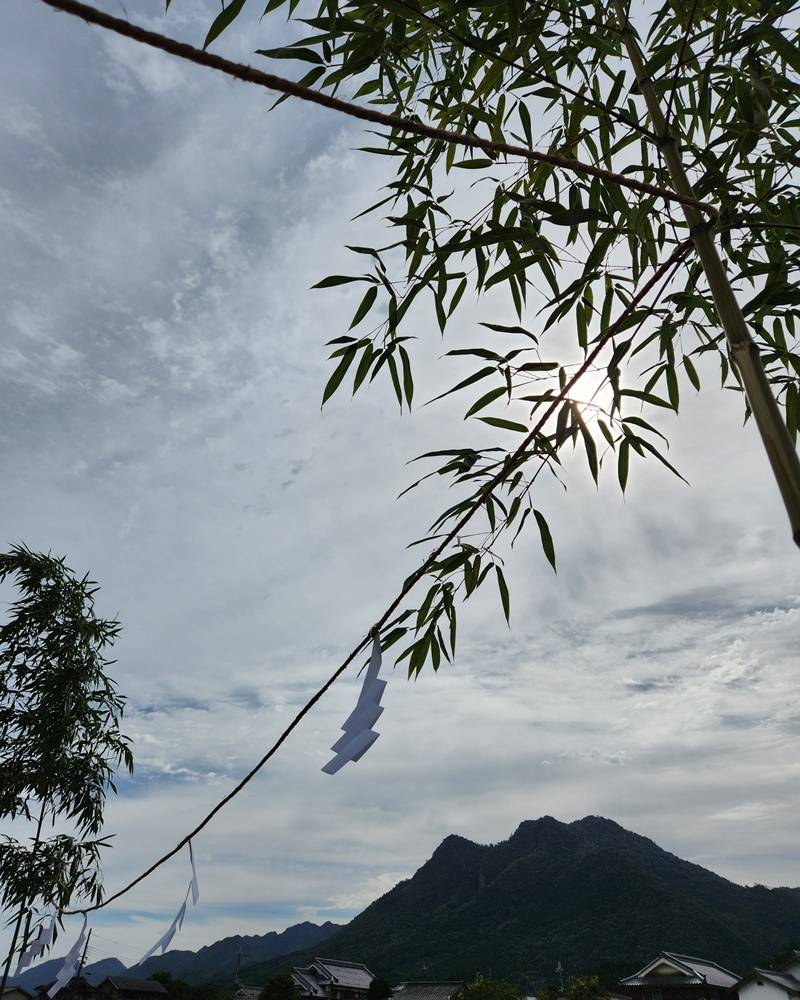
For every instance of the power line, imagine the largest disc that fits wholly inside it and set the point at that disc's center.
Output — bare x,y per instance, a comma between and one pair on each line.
510,462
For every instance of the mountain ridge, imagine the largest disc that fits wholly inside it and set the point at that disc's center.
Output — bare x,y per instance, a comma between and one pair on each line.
589,894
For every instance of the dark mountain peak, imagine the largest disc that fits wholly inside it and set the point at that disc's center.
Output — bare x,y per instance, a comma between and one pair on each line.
453,842
587,893
533,834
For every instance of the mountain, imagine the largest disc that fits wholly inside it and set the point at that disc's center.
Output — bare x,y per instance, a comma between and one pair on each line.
589,894
47,971
219,959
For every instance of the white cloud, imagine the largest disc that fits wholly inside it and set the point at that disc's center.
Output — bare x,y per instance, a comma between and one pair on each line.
163,372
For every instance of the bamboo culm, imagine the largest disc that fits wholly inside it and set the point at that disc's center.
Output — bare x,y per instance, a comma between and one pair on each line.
775,435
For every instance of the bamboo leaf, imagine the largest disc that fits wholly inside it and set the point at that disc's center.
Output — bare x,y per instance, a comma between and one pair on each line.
339,373
485,400
504,596
222,20
547,538
365,306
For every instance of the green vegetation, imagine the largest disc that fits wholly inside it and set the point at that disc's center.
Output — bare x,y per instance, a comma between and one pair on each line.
623,202
585,988
590,894
60,739
379,989
179,989
279,987
491,989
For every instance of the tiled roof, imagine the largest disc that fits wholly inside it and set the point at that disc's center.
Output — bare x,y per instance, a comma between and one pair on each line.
307,982
786,982
656,981
137,985
426,991
349,974
247,993
686,971
713,974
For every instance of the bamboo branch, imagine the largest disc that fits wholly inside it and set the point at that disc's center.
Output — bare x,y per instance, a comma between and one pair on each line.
774,433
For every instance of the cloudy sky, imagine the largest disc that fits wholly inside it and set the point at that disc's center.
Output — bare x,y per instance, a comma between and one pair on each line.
162,361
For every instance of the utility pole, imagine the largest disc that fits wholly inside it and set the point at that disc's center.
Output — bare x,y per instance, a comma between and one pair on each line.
239,956
85,949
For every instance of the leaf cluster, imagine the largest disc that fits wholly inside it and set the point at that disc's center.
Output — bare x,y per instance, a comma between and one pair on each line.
564,254
60,738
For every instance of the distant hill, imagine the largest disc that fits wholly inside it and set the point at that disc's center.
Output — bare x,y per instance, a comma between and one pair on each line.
589,894
47,971
218,960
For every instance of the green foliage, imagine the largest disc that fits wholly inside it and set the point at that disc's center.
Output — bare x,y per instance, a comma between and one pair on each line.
178,989
490,989
572,254
379,989
589,894
585,988
281,986
60,740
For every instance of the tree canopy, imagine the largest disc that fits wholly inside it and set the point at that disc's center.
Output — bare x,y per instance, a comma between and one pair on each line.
490,989
60,738
619,297
585,988
379,989
281,986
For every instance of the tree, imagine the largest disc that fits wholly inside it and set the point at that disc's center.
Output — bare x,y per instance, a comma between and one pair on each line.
548,992
585,988
379,989
281,986
640,202
60,740
178,989
490,989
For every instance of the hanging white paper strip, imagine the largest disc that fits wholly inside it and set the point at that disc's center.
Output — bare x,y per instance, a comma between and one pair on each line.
68,968
177,923
195,885
35,948
358,732
164,940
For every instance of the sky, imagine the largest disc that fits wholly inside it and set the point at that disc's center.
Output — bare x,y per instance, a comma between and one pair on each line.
162,361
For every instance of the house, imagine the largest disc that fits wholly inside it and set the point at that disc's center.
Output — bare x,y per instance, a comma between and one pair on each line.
124,988
16,993
332,980
247,993
427,991
769,984
681,977
77,988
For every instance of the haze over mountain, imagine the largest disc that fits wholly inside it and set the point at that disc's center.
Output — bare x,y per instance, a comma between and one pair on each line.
589,894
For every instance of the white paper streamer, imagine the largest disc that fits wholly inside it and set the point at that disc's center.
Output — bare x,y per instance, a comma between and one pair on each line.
195,885
164,940
177,923
68,968
358,732
35,948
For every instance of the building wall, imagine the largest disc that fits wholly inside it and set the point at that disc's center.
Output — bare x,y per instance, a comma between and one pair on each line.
761,989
